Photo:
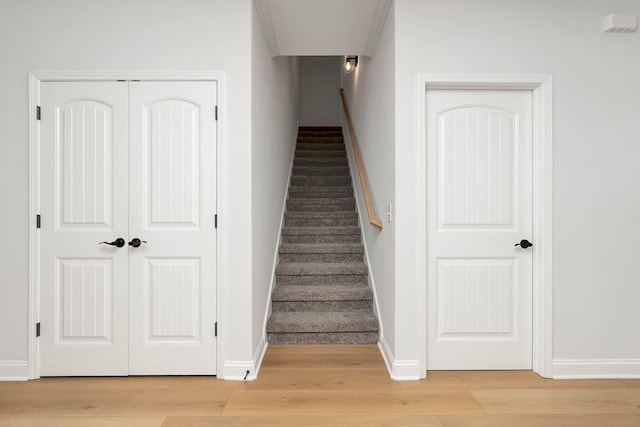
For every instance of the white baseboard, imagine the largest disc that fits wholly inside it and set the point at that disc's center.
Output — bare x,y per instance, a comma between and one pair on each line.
14,370
596,368
246,370
399,370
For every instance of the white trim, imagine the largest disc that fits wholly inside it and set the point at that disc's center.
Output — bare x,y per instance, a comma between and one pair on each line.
399,370
542,89
34,235
62,76
14,370
379,18
236,370
35,78
596,368
266,23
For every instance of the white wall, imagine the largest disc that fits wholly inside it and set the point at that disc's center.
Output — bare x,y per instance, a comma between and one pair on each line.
145,35
319,84
596,134
274,122
369,92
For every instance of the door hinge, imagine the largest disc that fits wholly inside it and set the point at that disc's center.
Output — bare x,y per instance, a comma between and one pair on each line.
37,329
216,114
38,221
38,112
215,329
215,221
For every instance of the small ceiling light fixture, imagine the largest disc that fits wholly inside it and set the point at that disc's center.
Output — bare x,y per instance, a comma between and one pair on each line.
350,63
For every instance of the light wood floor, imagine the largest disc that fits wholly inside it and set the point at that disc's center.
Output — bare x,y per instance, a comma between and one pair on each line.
321,386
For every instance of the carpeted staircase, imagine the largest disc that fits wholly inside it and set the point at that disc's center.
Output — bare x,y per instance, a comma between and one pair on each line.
322,294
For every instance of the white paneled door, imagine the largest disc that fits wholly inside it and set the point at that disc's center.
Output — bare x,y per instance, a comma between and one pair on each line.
127,202
479,185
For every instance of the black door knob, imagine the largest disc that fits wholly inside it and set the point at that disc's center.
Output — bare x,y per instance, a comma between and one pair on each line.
524,244
119,242
135,242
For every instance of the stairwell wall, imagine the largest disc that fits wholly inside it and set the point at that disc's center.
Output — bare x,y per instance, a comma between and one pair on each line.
274,122
319,84
369,92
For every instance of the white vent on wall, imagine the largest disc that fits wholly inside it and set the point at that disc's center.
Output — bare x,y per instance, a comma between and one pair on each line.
620,23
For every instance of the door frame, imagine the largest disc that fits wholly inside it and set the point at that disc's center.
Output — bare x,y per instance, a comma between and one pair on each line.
541,87
35,80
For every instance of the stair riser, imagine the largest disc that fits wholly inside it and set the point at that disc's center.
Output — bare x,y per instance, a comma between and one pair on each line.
318,140
323,338
320,162
326,238
319,293
331,222
320,171
320,181
311,269
313,193
289,306
319,215
321,258
319,128
320,134
322,280
317,154
324,248
308,207
319,231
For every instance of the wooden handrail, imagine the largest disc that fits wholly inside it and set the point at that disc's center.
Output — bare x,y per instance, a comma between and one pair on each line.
373,219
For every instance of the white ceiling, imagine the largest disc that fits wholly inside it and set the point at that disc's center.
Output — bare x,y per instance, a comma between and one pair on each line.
322,27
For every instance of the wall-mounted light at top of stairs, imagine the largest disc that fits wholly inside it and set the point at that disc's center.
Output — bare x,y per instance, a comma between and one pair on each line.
350,63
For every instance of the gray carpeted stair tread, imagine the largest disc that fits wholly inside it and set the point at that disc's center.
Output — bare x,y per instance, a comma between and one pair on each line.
321,207
310,231
324,269
299,201
300,191
325,154
321,181
320,258
320,134
316,306
320,222
307,141
316,248
328,292
317,215
324,128
338,279
321,253
322,294
320,161
321,171
321,238
322,321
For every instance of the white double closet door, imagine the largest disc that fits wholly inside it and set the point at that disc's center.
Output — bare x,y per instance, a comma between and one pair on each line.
127,160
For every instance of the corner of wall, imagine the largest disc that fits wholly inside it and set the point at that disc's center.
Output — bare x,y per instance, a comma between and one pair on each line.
399,370
245,370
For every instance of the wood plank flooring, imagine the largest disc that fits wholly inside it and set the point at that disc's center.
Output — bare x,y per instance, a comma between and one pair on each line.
321,386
